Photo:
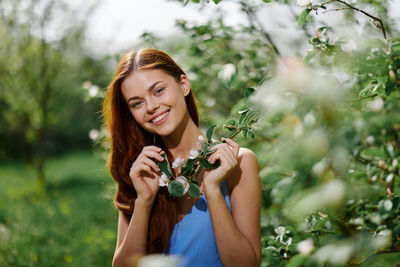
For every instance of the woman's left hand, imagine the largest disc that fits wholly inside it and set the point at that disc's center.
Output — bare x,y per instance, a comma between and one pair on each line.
227,154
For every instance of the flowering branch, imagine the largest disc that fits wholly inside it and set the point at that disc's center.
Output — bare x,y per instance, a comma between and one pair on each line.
186,181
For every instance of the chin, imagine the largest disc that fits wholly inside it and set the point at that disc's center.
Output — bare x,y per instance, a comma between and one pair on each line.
161,132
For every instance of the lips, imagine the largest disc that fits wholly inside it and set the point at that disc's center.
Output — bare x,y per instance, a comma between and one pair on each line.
159,117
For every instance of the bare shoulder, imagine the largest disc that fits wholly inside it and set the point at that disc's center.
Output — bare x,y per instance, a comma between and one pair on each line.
246,156
246,171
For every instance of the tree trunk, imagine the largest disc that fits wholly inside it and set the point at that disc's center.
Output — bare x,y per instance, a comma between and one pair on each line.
38,163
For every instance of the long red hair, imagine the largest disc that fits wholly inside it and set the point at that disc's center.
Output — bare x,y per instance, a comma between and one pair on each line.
128,138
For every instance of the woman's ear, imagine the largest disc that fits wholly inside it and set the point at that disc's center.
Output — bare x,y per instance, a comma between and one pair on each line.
185,85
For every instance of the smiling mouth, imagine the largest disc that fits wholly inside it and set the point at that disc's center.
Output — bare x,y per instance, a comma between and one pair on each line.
159,118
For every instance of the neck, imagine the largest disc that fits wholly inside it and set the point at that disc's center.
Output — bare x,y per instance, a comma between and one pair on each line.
180,142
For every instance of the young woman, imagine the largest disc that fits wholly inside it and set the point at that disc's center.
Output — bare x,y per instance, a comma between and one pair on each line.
150,108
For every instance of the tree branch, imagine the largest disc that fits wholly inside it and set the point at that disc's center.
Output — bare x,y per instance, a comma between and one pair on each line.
254,21
381,26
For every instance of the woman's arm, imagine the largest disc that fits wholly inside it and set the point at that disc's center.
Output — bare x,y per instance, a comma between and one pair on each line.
238,236
132,237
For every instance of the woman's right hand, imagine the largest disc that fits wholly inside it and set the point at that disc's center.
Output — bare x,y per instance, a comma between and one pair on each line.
145,173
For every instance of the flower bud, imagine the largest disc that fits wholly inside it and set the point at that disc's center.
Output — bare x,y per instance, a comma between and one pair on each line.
381,164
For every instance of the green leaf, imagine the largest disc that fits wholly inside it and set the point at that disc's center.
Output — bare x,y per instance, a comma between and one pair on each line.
230,125
216,164
250,117
396,48
186,170
382,80
390,87
217,1
210,131
164,166
248,92
231,122
267,1
175,188
210,152
243,114
245,133
243,127
251,134
373,151
297,260
194,191
310,55
205,163
303,17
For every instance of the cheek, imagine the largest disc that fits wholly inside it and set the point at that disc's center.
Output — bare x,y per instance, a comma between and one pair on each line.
137,116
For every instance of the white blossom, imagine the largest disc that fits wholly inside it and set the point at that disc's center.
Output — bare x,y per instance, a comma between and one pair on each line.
370,139
163,180
86,85
376,104
389,178
227,72
210,102
349,46
93,90
304,3
201,140
281,230
305,246
194,153
184,182
94,134
309,119
388,204
394,163
177,163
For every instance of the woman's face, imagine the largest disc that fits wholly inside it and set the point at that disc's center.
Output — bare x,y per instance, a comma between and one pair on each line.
156,100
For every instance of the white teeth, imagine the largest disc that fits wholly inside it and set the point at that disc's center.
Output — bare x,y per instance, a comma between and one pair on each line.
162,116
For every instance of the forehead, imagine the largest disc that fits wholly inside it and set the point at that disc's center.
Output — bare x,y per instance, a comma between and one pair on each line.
140,81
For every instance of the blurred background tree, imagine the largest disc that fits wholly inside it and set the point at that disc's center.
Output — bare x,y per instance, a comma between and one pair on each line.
43,67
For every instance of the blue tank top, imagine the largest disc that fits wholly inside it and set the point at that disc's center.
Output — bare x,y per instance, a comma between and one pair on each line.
193,237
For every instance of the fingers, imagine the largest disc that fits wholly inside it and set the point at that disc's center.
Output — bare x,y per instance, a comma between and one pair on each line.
146,165
153,152
145,161
154,148
235,146
230,147
151,164
225,155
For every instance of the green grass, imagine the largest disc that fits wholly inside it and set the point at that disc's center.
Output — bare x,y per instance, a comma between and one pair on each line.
73,224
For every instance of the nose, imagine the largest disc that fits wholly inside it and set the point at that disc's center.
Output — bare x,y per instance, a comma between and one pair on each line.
152,105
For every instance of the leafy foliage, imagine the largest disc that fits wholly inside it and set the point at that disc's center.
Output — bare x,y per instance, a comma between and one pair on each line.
327,138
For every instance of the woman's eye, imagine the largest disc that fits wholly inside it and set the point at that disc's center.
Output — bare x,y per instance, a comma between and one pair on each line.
158,91
136,104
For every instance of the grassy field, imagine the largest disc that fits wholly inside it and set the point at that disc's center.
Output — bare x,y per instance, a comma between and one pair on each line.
72,224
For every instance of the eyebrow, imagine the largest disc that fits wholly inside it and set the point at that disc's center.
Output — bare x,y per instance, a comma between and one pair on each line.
149,89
